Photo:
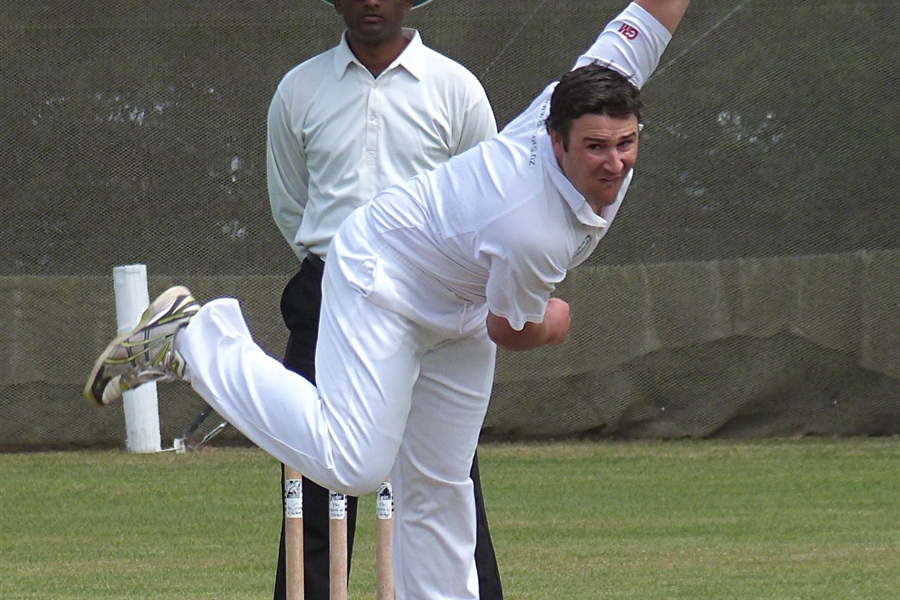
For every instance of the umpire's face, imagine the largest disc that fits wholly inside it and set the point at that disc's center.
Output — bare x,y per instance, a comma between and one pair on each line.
598,155
373,21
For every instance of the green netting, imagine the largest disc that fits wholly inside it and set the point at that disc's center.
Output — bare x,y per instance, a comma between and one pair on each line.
748,287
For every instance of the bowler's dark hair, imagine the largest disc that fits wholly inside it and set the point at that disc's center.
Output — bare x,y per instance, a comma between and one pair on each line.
591,89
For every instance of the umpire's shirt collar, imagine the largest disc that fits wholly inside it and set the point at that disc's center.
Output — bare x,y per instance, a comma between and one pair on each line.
412,58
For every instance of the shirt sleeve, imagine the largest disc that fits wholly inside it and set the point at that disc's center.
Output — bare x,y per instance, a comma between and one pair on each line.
287,175
476,119
526,306
632,44
521,278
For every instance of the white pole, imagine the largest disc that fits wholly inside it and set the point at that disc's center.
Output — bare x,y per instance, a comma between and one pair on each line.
141,405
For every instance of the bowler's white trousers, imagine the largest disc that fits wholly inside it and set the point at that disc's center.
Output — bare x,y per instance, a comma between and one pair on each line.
404,370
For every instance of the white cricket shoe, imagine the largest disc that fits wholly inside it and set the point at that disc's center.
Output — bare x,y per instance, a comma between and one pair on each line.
146,353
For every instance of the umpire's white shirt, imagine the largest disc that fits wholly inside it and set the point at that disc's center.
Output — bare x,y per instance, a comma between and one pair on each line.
501,224
337,135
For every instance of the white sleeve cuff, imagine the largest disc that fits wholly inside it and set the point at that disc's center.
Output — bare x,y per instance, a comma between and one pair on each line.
631,44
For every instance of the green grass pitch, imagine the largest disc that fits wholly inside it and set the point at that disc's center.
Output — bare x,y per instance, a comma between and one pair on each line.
778,519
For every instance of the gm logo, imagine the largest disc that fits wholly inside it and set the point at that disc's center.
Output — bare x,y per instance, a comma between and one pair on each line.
628,31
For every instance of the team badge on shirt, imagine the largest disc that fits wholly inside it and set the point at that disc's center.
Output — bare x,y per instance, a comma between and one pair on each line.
584,244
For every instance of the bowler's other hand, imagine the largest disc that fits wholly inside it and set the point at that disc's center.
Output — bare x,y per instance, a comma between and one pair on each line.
557,321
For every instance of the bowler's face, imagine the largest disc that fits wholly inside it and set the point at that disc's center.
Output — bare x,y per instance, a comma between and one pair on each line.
602,150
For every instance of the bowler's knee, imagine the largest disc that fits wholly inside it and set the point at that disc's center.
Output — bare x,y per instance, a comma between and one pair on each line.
362,476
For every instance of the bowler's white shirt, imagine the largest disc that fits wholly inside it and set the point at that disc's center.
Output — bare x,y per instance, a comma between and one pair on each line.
501,224
337,135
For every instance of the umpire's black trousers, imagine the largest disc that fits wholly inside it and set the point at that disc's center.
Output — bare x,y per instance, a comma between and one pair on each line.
300,305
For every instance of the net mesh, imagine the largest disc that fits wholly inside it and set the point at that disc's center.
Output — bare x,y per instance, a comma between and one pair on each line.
749,286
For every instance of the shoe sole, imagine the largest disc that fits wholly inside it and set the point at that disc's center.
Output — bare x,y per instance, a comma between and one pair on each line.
158,308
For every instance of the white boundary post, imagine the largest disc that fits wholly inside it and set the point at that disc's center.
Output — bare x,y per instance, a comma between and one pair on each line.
141,405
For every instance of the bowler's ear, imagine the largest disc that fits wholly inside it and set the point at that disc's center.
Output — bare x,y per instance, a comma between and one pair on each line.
559,147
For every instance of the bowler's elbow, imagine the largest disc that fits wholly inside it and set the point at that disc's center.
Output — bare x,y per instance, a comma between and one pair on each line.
502,333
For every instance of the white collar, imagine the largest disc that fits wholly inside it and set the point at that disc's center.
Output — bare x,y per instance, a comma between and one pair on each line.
412,58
